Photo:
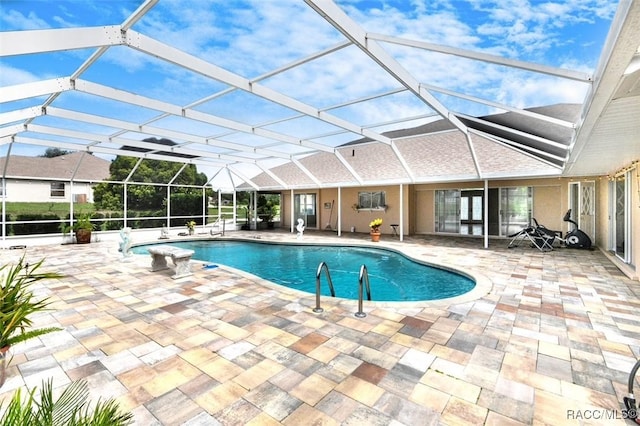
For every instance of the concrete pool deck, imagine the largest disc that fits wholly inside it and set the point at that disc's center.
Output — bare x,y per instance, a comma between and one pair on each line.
551,339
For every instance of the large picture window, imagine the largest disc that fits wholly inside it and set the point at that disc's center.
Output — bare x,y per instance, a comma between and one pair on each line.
57,189
372,200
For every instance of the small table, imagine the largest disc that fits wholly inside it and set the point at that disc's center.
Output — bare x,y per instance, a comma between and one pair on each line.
394,228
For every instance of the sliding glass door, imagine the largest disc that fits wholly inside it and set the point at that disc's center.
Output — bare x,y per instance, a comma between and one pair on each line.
447,204
462,211
515,209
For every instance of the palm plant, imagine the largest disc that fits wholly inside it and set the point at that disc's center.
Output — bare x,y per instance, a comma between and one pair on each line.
72,408
17,302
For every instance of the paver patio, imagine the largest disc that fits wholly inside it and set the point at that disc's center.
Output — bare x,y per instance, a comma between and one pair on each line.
551,341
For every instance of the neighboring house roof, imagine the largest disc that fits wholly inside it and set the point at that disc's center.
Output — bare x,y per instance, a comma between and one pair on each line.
80,166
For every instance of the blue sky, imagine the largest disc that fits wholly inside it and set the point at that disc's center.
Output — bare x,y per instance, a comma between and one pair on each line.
250,38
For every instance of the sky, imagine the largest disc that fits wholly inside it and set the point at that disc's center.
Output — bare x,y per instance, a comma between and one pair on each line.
251,38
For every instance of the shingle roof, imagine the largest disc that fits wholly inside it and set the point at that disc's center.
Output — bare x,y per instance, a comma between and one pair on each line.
91,168
439,152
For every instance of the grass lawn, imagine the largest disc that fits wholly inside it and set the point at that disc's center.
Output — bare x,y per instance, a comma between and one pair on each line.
59,209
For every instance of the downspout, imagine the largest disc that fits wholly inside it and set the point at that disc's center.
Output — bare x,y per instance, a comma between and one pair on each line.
125,204
235,206
255,210
401,212
205,207
339,223
168,212
4,211
486,213
292,211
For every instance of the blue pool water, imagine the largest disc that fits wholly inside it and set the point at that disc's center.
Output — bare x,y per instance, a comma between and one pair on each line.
393,277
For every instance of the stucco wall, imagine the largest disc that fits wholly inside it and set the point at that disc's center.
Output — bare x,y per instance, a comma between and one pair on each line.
40,192
350,217
550,202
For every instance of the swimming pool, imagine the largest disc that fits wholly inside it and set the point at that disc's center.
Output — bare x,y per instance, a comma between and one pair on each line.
393,277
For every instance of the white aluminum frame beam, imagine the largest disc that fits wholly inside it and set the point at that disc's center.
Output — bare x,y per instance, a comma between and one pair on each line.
540,139
142,101
485,57
504,107
34,89
171,54
352,31
53,40
152,147
160,132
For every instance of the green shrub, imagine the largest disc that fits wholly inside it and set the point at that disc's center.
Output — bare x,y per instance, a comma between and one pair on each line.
52,227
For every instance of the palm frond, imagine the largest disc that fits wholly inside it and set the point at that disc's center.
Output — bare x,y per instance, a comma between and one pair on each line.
70,409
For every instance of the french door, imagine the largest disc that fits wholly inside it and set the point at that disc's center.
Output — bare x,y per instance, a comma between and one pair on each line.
621,223
582,205
304,206
471,212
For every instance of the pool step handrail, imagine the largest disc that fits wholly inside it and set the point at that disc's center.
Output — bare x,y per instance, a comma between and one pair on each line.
321,267
362,280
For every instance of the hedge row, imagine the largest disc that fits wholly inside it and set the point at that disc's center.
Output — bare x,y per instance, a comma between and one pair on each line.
103,221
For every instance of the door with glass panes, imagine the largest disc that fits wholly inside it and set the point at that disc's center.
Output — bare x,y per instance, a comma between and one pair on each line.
304,206
471,212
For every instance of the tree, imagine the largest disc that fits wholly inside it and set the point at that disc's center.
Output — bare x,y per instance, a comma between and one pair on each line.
54,152
109,196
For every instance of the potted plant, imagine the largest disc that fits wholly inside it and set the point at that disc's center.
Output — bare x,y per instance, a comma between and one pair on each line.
375,225
191,226
17,304
82,228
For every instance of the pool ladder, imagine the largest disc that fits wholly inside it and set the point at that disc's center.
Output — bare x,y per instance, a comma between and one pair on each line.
363,280
323,267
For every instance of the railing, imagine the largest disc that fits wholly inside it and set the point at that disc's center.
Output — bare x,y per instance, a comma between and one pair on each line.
216,224
363,279
321,267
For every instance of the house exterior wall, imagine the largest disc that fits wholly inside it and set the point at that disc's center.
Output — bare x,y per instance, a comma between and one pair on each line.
550,203
604,223
359,219
40,191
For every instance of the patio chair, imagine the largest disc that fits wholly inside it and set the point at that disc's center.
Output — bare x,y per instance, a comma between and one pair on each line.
538,236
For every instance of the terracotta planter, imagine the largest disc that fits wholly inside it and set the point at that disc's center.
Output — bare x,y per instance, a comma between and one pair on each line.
375,236
83,236
3,364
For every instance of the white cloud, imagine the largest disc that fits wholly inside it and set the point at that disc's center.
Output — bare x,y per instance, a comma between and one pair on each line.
10,76
16,20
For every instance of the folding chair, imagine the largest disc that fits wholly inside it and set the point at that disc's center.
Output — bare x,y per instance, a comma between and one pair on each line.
538,237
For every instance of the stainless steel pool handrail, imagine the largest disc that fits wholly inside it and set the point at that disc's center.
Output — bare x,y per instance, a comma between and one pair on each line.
362,279
321,267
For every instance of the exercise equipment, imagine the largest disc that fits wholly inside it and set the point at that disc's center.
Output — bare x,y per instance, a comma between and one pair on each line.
630,401
538,236
576,238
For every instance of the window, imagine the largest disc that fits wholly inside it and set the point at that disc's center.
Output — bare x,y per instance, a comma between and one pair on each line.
57,189
372,200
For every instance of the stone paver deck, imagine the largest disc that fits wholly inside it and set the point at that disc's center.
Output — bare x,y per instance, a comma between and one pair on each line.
551,340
